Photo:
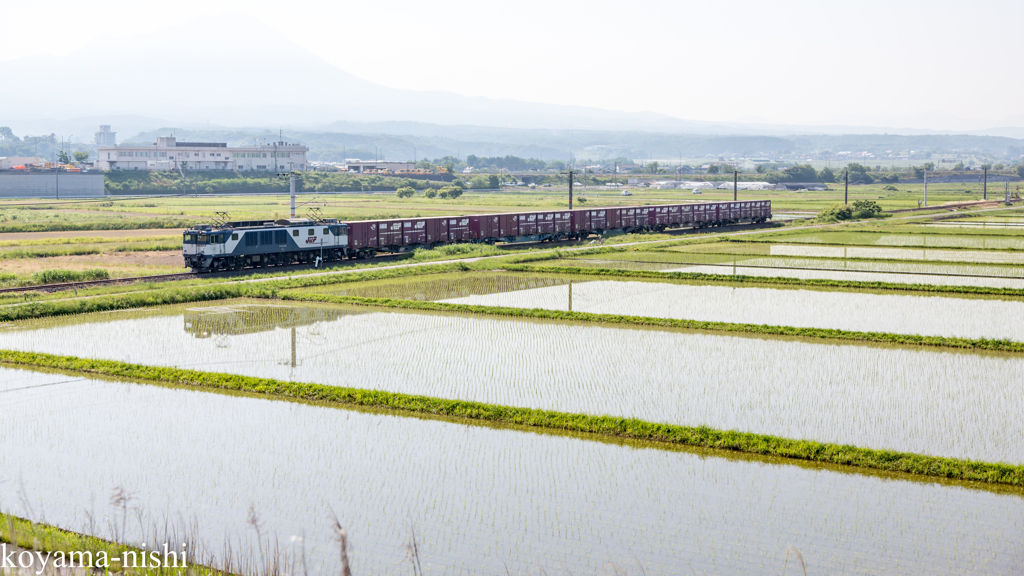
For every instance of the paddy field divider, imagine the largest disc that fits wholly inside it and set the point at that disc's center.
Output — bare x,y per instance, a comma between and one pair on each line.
776,280
631,428
648,321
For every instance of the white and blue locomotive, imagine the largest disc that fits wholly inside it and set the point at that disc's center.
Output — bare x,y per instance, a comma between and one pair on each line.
256,244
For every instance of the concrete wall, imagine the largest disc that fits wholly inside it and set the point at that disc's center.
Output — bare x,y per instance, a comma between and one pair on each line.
18,184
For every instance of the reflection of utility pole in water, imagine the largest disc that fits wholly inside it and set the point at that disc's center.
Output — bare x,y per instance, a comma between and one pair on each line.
570,295
293,346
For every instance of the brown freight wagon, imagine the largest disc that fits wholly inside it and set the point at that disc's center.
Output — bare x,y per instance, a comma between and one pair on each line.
589,220
662,217
489,227
554,225
686,214
362,236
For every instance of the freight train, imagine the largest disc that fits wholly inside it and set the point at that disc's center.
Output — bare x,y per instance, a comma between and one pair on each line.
258,244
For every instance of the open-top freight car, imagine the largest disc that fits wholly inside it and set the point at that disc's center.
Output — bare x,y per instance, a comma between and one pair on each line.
255,244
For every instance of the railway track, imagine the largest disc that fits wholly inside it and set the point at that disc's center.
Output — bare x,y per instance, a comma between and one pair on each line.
65,286
61,286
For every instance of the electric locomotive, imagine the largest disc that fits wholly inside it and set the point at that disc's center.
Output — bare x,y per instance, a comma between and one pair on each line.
260,243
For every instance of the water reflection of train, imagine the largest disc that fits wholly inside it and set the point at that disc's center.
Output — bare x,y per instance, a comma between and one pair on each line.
239,319
223,322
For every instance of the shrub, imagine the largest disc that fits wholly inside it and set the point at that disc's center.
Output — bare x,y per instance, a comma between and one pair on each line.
835,212
405,192
869,207
452,192
890,178
479,182
891,188
430,192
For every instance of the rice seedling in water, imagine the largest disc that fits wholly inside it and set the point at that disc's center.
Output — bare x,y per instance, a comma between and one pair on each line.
929,402
901,314
480,498
887,239
900,254
828,271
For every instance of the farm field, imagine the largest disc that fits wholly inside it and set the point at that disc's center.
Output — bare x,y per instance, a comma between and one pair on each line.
492,498
847,253
930,315
964,405
806,268
172,211
863,238
655,404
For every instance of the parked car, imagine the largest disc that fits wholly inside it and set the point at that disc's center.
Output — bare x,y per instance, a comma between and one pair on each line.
627,193
696,191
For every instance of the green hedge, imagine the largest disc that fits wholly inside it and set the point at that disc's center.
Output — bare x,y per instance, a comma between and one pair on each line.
701,436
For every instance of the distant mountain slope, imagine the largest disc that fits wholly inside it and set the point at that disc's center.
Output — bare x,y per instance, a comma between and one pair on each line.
235,70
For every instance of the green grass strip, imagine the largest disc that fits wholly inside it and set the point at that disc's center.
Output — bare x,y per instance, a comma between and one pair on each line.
701,436
764,329
778,280
131,300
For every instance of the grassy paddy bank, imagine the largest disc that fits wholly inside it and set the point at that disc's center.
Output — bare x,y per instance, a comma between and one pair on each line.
793,388
497,497
631,428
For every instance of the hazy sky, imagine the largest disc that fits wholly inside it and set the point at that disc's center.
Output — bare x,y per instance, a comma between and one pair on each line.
909,63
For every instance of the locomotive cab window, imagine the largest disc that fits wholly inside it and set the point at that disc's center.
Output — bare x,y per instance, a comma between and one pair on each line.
203,238
234,236
309,232
326,231
295,233
190,238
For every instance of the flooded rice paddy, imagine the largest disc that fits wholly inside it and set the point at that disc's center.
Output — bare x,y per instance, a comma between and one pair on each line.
820,269
481,500
952,262
917,400
896,313
929,315
914,240
861,252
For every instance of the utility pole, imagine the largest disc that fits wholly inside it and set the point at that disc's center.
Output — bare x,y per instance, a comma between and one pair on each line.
291,188
846,187
985,186
925,187
570,189
735,184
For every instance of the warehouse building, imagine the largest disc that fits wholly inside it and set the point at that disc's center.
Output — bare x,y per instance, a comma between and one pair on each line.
169,154
371,167
50,184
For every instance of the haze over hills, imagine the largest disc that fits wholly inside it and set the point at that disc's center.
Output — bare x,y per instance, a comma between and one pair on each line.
234,70
405,141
